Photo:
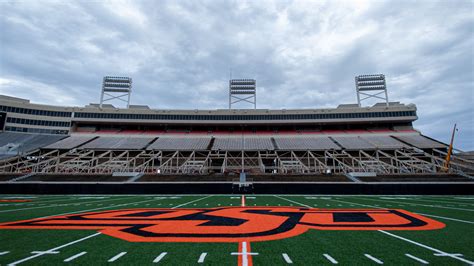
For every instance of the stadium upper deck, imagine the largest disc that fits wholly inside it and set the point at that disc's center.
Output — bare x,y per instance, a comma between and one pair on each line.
23,116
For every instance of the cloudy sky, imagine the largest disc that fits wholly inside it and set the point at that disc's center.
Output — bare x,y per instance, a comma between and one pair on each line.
304,54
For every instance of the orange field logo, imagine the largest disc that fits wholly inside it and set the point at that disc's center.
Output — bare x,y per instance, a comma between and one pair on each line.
228,224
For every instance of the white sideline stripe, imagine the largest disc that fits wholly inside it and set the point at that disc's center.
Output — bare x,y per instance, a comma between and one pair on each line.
436,216
287,258
4,253
440,201
202,257
93,235
160,257
116,257
454,256
417,259
331,259
58,205
53,249
373,259
75,256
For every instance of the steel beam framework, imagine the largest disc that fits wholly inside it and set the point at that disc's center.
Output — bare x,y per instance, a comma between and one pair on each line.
402,161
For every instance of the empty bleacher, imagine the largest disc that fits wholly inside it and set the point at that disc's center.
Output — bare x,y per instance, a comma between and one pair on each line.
308,143
118,143
75,178
70,142
180,144
354,143
384,142
238,144
420,141
24,142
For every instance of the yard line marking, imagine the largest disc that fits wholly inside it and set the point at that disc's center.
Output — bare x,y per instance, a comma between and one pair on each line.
116,257
245,256
425,205
191,202
45,252
243,201
55,205
75,256
454,256
295,202
4,253
373,259
287,258
160,257
417,259
447,218
53,249
436,216
202,257
331,259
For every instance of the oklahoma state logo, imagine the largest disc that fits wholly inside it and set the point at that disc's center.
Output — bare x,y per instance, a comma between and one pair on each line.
229,224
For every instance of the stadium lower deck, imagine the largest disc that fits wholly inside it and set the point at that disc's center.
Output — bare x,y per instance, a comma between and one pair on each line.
451,245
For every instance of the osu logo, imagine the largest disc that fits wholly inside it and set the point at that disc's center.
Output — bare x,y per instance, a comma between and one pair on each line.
229,224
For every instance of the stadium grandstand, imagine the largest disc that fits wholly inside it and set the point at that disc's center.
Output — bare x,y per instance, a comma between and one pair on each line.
102,143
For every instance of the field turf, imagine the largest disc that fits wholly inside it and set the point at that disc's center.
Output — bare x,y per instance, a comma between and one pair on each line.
452,245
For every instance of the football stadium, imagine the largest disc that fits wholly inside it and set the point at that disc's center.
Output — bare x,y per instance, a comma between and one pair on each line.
352,185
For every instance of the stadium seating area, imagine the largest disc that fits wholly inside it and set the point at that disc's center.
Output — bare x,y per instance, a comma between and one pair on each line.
417,178
245,143
180,144
23,142
118,143
306,143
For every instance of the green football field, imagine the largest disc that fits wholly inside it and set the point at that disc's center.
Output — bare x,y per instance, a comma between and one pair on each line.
36,243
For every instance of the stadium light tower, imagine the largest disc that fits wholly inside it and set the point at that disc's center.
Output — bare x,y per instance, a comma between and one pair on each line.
243,90
371,86
119,88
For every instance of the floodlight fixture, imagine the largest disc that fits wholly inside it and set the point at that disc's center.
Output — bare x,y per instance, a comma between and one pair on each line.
371,86
243,90
119,88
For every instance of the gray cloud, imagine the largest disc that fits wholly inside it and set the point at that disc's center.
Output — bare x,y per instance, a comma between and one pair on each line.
302,53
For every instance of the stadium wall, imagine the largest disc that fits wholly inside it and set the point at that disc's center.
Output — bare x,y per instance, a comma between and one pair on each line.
229,188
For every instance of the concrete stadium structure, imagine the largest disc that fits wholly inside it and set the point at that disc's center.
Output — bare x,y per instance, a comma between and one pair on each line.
346,141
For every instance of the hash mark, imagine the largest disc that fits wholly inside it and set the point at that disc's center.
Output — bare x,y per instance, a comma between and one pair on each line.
160,257
331,259
116,257
417,259
373,259
287,258
202,257
75,256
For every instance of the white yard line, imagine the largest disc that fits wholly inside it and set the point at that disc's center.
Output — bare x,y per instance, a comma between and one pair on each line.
440,201
160,257
58,205
53,249
75,256
202,257
287,258
93,235
424,205
417,259
295,202
373,259
116,257
4,253
454,256
331,259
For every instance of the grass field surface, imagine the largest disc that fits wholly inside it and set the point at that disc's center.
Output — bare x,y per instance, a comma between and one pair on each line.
451,245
